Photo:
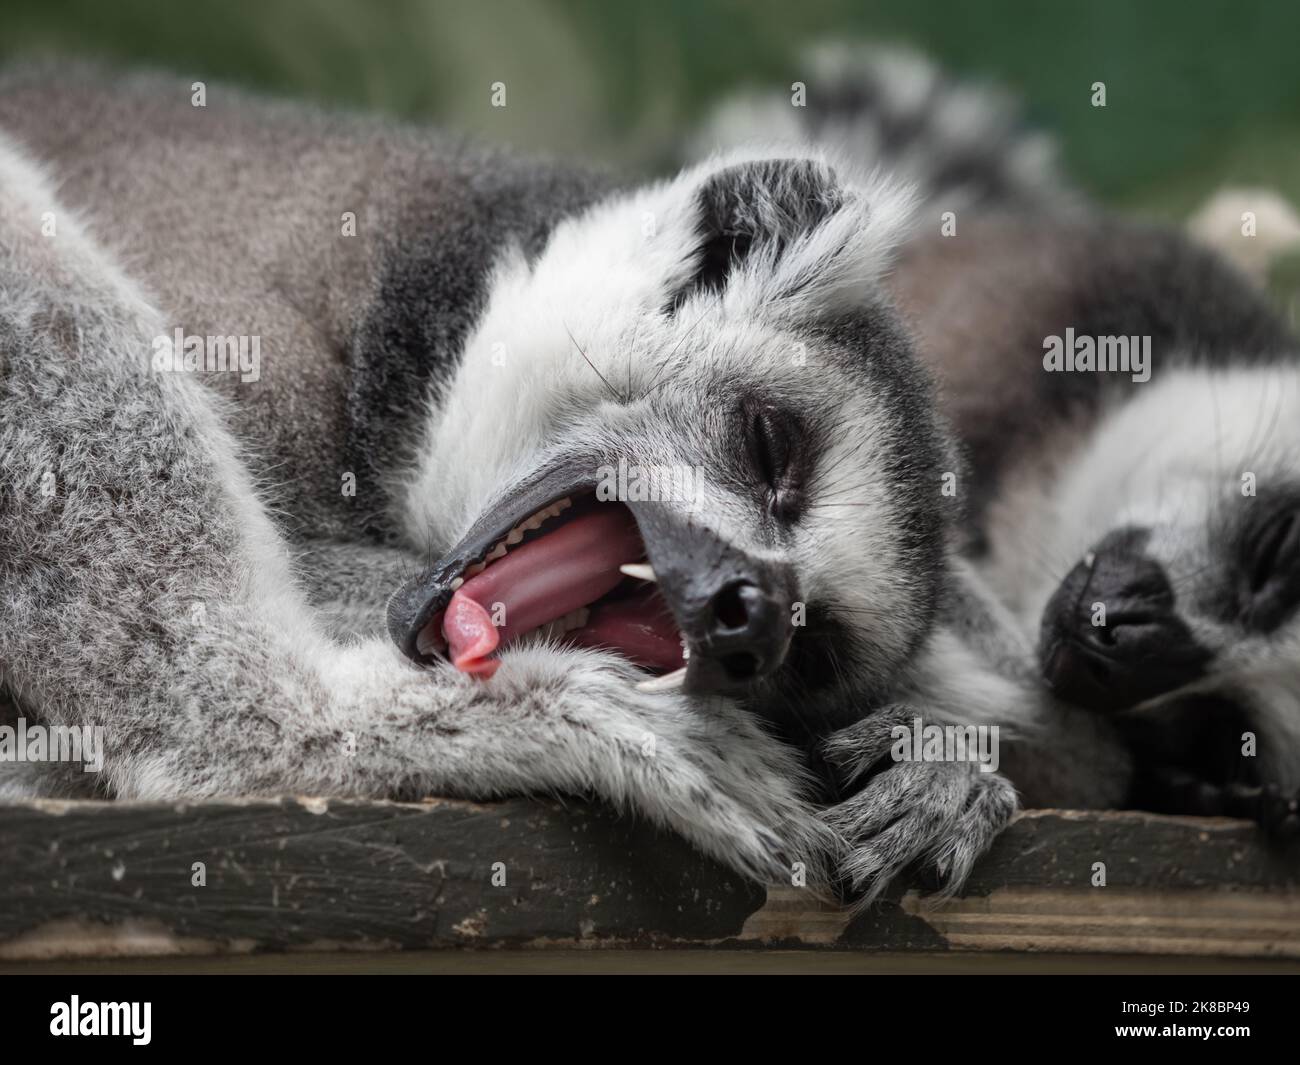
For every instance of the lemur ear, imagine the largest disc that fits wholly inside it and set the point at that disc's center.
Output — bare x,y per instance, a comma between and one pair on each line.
756,208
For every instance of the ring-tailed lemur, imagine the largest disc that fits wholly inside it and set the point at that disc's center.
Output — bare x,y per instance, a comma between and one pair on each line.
1145,534
454,348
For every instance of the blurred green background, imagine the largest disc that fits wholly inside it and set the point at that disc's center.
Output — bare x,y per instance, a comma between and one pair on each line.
1200,93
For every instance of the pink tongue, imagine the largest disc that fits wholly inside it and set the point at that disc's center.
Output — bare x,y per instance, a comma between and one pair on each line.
534,584
476,637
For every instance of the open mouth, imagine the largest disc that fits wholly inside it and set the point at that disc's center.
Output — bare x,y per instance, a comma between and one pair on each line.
573,572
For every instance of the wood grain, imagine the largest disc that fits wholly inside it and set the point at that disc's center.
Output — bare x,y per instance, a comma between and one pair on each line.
88,880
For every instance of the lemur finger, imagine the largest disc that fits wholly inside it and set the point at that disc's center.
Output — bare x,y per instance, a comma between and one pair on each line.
990,805
854,750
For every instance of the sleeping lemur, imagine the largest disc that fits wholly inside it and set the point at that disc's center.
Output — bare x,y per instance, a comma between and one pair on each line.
1142,526
1143,532
307,425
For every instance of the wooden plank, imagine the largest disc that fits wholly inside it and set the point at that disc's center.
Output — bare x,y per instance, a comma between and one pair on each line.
84,879
617,961
300,873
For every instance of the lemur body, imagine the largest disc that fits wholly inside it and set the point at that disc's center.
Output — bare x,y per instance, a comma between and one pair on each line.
495,331
239,221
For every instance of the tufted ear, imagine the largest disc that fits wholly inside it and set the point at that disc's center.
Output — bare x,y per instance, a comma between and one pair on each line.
785,237
754,207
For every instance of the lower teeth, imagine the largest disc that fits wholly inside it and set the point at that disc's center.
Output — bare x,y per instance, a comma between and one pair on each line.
560,626
668,682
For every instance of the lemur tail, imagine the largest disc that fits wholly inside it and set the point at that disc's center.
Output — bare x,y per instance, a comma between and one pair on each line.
962,145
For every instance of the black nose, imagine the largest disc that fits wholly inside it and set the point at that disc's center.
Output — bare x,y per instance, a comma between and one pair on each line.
737,623
735,608
744,629
1111,636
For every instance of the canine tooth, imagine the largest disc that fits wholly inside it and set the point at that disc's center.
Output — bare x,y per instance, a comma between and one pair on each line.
668,682
457,583
640,570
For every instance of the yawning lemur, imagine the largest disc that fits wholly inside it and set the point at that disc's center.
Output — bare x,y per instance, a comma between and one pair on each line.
453,342
1172,504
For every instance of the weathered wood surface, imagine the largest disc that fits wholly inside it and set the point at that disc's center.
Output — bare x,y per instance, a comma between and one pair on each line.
615,961
104,879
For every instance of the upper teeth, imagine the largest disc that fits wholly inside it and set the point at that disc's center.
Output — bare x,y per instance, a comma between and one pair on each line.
514,537
640,570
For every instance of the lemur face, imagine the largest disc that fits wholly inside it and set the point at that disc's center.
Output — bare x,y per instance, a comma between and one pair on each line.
692,433
1188,579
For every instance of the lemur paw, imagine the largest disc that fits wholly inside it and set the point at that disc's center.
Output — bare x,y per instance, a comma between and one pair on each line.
939,816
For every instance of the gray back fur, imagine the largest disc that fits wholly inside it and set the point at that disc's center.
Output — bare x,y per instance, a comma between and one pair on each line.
231,217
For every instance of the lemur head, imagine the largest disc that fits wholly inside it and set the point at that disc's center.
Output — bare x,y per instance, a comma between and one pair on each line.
690,431
1184,517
